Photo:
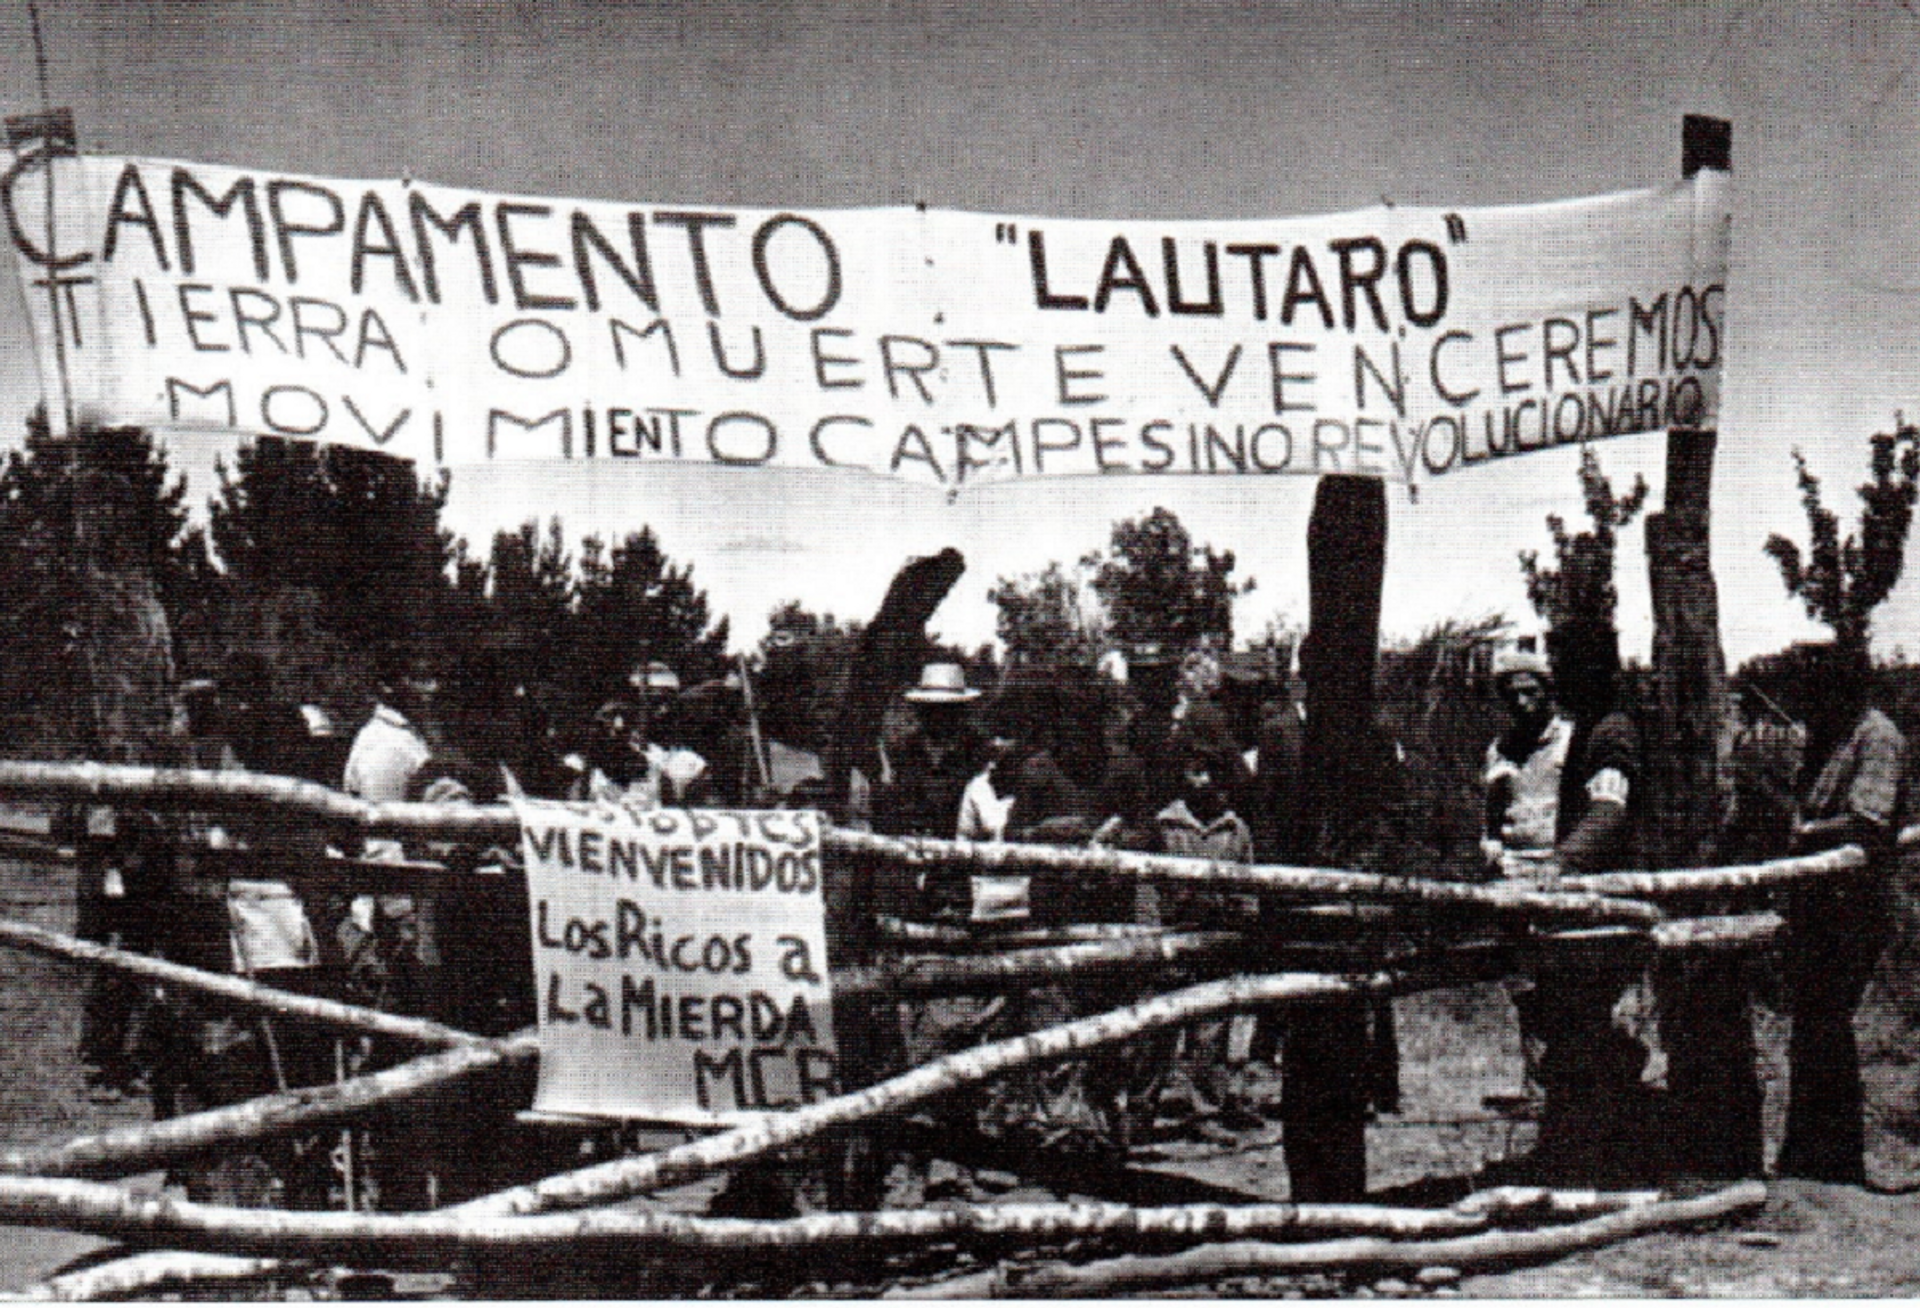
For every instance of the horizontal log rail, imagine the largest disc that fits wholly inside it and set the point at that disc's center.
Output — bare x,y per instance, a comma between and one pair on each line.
125,1151
1370,1255
1291,882
151,1274
926,977
233,790
624,1178
220,1238
1694,881
238,990
954,937
238,791
431,1240
1733,931
1595,897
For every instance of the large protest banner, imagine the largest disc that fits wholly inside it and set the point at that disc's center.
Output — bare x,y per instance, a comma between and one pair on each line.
453,326
680,961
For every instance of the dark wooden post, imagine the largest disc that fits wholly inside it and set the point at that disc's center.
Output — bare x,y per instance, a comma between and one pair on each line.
1333,1061
1346,572
1689,738
1714,1089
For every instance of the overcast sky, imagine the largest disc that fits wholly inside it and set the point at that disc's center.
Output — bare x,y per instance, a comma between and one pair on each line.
1123,110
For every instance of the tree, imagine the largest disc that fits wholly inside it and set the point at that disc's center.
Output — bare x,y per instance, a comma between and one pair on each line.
94,556
357,528
633,606
1841,582
1042,621
804,662
529,585
1160,588
1579,587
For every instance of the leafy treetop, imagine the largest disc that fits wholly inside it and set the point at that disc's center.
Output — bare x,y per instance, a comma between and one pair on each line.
1842,581
1578,587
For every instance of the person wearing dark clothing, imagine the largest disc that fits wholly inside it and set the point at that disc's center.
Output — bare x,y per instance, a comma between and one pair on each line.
233,909
125,871
1074,783
1276,808
1595,1120
1201,822
1837,927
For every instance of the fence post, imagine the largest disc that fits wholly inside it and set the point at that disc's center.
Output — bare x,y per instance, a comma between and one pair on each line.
1327,1067
1706,1026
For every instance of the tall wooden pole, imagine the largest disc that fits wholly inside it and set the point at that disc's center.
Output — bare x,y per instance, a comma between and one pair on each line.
1688,724
1327,1068
1712,1080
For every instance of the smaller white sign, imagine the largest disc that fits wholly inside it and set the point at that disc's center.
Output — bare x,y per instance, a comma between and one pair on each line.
680,957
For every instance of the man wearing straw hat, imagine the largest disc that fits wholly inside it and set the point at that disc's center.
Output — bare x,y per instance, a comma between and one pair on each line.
925,776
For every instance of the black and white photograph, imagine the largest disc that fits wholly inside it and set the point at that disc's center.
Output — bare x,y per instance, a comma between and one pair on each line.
871,649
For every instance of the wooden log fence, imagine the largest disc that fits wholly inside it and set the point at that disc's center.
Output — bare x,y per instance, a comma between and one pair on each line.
1210,1264
626,1177
1625,902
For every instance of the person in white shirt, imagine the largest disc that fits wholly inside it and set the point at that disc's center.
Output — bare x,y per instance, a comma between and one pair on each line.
387,755
983,816
1523,768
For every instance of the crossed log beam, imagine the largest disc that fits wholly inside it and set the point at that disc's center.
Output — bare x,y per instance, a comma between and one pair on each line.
512,1219
1577,898
1597,901
431,1240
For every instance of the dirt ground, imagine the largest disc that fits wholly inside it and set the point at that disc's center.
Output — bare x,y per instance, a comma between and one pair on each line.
1458,1048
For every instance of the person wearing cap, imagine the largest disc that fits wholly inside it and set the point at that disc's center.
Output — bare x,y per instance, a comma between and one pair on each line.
1523,767
926,774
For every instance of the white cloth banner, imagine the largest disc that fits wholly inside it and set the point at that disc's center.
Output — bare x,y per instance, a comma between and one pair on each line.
454,326
680,961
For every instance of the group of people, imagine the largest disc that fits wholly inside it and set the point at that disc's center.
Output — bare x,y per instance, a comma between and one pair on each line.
1565,787
232,893
1635,1064
1191,756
